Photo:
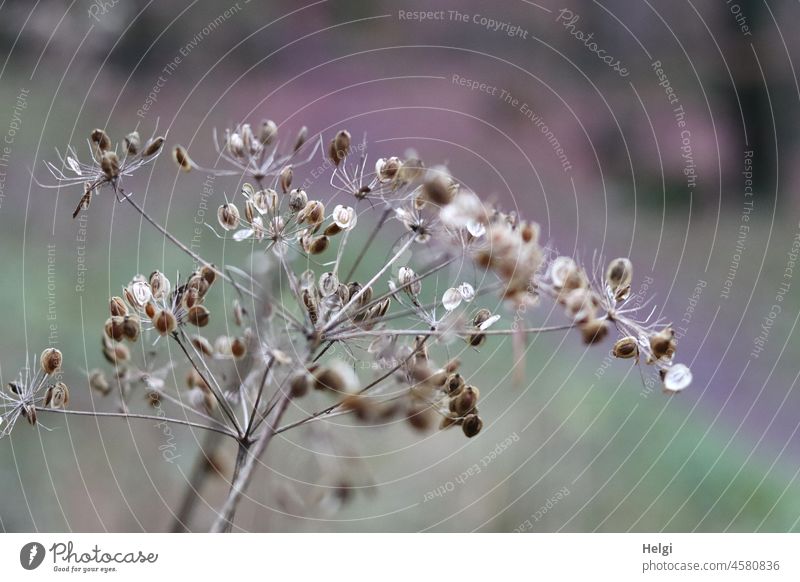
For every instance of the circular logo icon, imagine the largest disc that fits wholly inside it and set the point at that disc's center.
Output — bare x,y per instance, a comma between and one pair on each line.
31,555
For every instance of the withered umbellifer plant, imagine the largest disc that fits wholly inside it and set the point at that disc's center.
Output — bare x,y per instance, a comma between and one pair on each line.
378,346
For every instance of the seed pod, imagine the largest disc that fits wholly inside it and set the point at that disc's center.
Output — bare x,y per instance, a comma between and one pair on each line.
285,178
410,170
165,322
182,159
298,385
465,401
363,408
476,340
339,147
311,305
238,348
663,344
51,360
57,396
228,216
208,273
326,378
454,384
561,269
132,143
131,327
248,140
202,345
117,306
153,147
580,305
594,331
301,138
316,245
109,163
472,425
138,293
159,285
619,274
267,132
297,200
198,315
344,217
625,348
116,353
98,382
328,284
438,189
113,328
236,144
313,213
407,279
150,309
100,139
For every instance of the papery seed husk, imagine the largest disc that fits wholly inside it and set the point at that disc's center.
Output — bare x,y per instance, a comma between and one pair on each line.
285,178
117,306
153,147
301,138
131,327
471,425
202,345
51,360
267,132
238,348
109,163
132,143
198,316
100,139
182,159
594,331
165,322
98,382
625,348
619,273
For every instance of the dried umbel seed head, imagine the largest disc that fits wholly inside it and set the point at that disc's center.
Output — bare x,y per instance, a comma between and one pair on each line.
625,348
182,159
339,147
302,137
57,396
165,322
663,344
676,378
471,425
100,140
109,163
267,132
313,213
131,327
407,279
619,275
117,306
594,331
98,382
228,216
285,178
51,361
198,316
132,143
238,348
153,147
159,285
297,200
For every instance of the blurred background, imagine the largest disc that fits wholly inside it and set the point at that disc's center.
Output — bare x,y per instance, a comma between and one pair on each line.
662,131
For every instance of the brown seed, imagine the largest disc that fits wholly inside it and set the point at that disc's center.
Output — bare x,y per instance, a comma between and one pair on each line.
113,328
116,353
663,344
301,138
165,322
109,163
626,347
100,139
150,309
267,132
472,425
594,331
328,379
153,147
465,401
339,147
476,340
198,315
51,361
298,385
438,190
317,245
182,159
454,384
117,306
208,273
203,345
131,327
29,413
313,213
285,178
238,348
360,406
132,143
228,216
159,284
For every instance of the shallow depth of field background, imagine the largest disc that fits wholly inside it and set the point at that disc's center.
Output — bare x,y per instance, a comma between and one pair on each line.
592,449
